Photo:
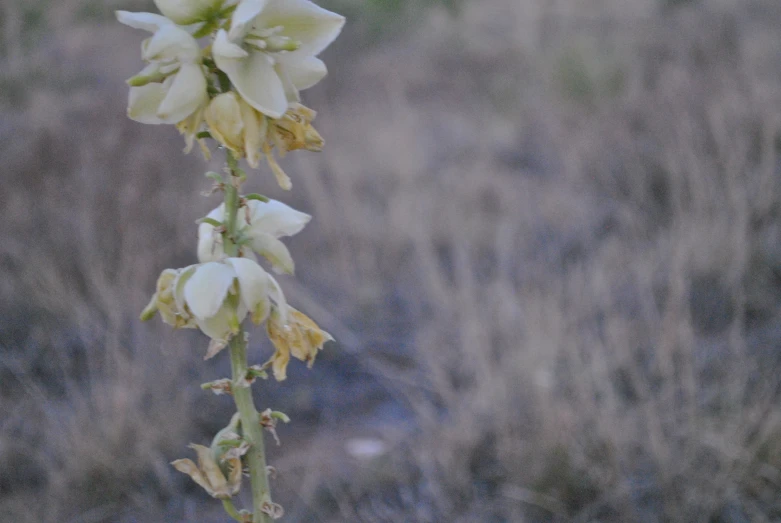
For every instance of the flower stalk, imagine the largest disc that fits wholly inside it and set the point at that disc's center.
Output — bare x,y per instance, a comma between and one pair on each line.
251,430
231,206
241,90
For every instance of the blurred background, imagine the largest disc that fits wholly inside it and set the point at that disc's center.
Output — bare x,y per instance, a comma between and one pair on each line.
546,235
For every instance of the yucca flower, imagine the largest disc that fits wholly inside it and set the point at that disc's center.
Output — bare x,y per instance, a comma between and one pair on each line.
269,52
173,86
216,297
261,226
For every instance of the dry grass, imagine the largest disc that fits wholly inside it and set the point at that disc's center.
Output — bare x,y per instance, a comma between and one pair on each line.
547,240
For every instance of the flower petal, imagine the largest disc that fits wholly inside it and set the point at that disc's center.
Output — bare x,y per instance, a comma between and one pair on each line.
255,79
188,467
255,128
187,12
253,282
243,16
274,251
223,116
143,102
186,94
303,73
276,294
275,218
178,286
189,127
170,42
301,20
214,348
147,21
209,247
208,465
206,290
279,362
224,49
293,96
221,327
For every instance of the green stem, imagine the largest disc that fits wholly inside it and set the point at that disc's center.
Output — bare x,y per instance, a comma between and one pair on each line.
231,208
251,430
242,395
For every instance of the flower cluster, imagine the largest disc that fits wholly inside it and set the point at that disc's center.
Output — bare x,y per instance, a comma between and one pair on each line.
231,71
243,86
218,293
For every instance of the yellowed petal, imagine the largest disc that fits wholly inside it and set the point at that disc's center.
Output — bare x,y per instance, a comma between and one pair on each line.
212,472
188,467
295,131
275,328
189,127
255,128
261,311
279,365
282,179
234,473
300,336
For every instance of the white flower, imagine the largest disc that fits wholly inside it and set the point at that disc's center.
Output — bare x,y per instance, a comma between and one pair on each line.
219,295
261,226
173,86
269,52
186,12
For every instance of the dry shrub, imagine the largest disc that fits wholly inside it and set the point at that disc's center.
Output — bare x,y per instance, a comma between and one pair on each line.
591,285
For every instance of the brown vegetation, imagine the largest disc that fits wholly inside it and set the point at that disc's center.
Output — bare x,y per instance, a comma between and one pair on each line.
548,242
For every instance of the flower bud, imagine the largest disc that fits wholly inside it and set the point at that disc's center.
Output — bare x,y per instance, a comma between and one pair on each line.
223,115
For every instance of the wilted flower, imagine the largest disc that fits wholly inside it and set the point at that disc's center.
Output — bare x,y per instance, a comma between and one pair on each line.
293,333
164,301
261,226
209,475
269,52
219,468
295,131
247,132
173,86
291,132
